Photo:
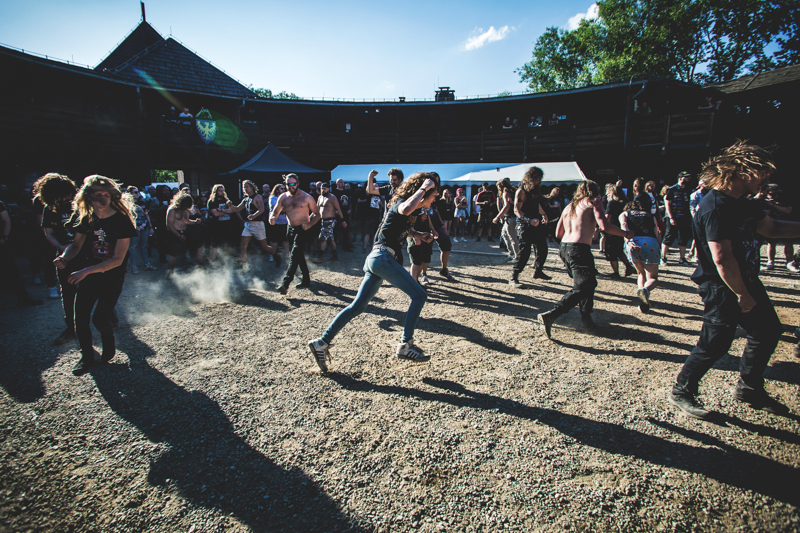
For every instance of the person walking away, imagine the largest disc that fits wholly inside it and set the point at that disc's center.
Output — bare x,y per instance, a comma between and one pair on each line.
576,228
615,246
642,249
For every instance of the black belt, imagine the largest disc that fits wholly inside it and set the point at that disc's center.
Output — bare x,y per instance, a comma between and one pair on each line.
326,219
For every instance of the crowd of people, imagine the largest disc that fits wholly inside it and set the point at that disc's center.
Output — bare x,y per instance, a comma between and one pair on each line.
91,234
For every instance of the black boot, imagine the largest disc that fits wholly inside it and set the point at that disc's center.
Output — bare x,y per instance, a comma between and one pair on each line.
539,274
588,325
83,365
109,347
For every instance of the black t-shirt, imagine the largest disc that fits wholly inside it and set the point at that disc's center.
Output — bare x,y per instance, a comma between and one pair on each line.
645,201
101,239
614,210
345,202
679,199
220,205
641,223
394,228
445,209
59,222
721,217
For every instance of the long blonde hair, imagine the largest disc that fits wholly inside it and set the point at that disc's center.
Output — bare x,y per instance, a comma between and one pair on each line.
586,189
123,203
740,160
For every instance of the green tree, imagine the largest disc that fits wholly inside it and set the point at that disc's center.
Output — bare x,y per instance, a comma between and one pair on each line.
690,40
266,93
163,176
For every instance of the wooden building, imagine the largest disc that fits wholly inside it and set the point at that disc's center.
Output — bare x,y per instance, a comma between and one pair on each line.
115,120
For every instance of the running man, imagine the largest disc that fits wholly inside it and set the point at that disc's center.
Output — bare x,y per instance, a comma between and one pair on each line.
178,241
302,213
576,228
253,206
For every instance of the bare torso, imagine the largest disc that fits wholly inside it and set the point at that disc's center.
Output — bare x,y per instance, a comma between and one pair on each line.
177,218
297,207
580,227
326,206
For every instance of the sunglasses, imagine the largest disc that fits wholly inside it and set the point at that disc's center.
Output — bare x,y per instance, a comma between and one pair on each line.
291,184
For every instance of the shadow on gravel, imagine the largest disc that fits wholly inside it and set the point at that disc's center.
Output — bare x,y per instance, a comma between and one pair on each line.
207,461
22,371
723,462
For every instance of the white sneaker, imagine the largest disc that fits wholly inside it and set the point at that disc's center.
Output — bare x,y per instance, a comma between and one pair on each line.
793,267
319,350
407,350
134,269
425,281
463,239
769,266
54,293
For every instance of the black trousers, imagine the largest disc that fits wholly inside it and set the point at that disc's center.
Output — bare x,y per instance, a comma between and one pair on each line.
104,290
530,237
68,292
297,237
579,261
720,318
9,274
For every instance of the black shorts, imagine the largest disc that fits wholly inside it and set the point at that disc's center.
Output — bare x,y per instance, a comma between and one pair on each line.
681,231
615,247
369,224
175,247
419,253
443,240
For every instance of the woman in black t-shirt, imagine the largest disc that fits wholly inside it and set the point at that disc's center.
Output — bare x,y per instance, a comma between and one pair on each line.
643,249
104,228
418,191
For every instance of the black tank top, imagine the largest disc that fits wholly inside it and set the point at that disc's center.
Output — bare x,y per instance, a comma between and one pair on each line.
251,208
641,224
530,207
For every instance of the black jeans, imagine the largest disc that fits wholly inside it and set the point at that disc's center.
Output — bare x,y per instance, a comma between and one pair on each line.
530,237
297,237
68,292
579,261
104,290
720,317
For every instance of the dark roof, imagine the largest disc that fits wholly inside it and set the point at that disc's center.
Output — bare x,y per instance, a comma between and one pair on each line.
270,159
762,79
142,37
146,57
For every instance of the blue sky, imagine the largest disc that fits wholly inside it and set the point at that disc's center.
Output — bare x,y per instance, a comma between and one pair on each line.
350,49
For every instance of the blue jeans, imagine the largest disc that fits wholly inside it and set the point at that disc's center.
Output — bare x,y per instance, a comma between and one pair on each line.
139,242
379,266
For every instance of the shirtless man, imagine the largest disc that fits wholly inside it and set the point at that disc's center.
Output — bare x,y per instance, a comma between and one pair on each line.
331,212
302,213
576,228
253,205
177,220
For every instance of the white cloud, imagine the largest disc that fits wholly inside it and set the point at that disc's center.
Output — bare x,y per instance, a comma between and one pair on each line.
573,22
488,36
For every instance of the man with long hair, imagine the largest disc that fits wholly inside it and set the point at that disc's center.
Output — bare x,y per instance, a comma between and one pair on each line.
56,193
254,228
529,207
419,191
302,214
103,230
506,217
178,239
576,229
725,225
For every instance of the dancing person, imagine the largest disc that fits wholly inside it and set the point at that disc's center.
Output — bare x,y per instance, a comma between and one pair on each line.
301,213
506,216
576,229
440,234
56,193
420,247
679,220
103,230
614,244
253,206
725,225
178,239
330,211
277,232
642,249
386,192
460,220
531,221
419,191
220,224
143,227
484,202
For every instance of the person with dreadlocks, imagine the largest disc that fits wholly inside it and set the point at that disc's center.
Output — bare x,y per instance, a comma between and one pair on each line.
56,193
103,230
725,226
576,229
531,212
416,193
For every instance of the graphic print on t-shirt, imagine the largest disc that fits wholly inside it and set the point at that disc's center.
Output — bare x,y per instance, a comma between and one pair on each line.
102,249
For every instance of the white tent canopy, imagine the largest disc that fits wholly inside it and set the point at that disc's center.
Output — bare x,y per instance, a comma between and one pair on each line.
447,172
567,172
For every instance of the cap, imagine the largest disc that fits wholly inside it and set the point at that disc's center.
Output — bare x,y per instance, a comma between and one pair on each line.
685,174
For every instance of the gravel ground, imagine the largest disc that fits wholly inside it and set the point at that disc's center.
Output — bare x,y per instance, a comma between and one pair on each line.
214,417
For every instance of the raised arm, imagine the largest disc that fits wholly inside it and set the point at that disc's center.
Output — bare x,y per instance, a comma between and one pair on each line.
411,204
371,188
